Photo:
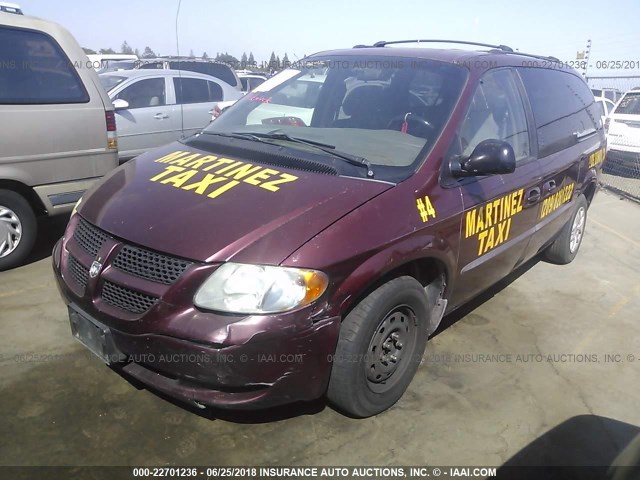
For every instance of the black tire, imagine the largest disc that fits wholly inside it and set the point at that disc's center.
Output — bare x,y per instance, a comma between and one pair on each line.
361,385
564,249
14,206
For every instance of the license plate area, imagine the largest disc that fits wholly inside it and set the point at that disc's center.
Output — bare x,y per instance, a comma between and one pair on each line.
95,336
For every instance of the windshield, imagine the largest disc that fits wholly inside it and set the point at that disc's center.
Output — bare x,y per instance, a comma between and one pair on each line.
387,111
630,104
109,82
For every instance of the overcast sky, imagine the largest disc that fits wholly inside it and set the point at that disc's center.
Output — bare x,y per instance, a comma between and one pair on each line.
298,27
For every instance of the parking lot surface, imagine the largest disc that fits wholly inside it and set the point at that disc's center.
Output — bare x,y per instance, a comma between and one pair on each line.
552,349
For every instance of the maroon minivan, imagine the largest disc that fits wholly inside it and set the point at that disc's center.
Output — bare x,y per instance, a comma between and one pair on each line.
310,239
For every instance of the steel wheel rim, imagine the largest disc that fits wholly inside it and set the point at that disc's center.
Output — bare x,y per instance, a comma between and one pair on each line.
577,230
10,231
391,348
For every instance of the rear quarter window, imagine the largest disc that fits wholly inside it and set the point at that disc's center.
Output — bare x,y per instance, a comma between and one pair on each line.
562,105
35,70
630,104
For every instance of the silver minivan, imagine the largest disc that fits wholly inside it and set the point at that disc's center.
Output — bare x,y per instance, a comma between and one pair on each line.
157,107
58,132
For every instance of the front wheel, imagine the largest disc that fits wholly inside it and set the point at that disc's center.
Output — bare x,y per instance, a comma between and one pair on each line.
380,348
565,248
18,229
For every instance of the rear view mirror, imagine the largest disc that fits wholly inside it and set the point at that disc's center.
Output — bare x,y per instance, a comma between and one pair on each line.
120,104
490,157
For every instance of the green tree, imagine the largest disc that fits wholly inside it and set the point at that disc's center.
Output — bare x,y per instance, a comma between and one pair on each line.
126,48
89,51
205,56
226,58
148,53
251,60
137,53
244,59
191,54
285,61
106,51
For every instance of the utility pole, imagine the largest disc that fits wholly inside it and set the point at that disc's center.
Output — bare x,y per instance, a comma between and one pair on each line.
586,58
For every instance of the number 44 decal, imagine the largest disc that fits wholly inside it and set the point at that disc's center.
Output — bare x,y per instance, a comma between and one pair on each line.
425,208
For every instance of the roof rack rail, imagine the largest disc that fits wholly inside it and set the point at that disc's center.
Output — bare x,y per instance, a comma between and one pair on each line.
541,57
504,48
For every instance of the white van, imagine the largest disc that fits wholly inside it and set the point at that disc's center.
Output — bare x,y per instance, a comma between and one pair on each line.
58,130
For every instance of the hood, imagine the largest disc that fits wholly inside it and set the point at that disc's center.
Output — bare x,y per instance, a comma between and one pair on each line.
204,207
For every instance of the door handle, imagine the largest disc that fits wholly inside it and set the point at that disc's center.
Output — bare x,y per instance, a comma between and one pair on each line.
533,196
549,186
160,116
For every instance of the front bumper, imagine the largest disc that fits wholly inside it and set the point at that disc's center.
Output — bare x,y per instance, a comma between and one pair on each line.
260,367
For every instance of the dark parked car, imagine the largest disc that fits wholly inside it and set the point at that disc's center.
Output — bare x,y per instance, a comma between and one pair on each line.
275,258
208,67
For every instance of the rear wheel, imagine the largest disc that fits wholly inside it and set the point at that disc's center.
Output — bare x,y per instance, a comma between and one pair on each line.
380,348
18,229
565,248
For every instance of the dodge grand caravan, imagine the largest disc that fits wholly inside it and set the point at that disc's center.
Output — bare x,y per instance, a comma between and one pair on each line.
311,239
58,130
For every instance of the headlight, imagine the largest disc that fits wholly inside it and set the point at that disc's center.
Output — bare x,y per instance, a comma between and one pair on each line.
258,289
75,207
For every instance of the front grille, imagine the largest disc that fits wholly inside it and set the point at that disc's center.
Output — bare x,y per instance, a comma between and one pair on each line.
126,299
150,265
79,273
89,237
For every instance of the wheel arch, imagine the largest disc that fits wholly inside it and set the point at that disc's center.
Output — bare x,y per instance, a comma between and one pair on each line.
26,192
430,269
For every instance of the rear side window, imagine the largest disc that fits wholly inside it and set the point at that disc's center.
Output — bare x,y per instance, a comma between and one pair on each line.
218,70
563,108
630,104
35,70
194,90
145,93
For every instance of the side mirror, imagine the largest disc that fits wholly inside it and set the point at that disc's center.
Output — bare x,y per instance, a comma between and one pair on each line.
120,104
490,157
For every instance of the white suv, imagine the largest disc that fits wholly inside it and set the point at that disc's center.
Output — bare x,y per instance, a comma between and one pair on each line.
623,155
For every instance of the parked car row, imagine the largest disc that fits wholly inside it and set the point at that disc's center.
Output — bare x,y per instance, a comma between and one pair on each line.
156,107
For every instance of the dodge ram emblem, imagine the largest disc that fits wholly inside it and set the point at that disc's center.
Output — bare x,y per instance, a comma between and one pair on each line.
95,269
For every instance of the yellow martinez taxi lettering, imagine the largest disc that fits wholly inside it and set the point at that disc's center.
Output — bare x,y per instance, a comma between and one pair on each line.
171,156
491,222
555,201
228,167
256,178
166,172
242,171
181,178
201,161
221,161
182,161
201,186
186,170
272,185
596,158
220,190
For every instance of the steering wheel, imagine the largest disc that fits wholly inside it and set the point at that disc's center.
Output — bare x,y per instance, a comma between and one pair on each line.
398,120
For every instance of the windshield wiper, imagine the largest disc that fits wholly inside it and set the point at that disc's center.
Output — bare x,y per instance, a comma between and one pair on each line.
325,147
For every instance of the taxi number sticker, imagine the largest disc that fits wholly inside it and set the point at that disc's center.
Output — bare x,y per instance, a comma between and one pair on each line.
425,208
